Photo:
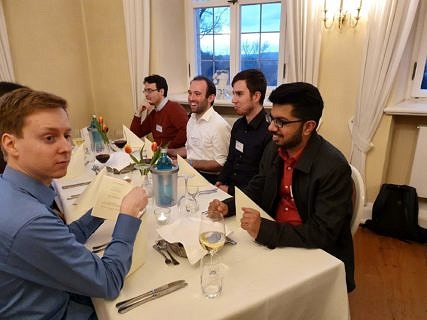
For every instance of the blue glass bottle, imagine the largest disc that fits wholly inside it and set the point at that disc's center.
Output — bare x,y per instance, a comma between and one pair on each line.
164,162
96,142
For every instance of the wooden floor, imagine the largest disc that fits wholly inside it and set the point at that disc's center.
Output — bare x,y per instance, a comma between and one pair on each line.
391,279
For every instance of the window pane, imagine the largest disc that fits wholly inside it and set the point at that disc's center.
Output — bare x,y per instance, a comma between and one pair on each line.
270,17
269,46
424,82
213,38
249,45
249,64
222,47
250,18
269,68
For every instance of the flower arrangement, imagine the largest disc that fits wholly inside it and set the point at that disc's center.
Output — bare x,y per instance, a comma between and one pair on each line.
143,162
102,129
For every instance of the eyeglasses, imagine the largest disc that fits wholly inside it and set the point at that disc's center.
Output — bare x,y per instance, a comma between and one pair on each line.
150,90
279,122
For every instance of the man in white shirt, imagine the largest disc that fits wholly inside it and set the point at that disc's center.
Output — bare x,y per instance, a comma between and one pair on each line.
208,134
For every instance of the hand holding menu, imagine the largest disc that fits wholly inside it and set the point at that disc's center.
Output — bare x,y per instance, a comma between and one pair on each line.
243,201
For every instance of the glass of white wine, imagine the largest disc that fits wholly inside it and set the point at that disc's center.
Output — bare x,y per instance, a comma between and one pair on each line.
212,232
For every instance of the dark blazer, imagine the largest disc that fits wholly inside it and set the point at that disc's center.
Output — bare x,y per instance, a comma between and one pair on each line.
322,190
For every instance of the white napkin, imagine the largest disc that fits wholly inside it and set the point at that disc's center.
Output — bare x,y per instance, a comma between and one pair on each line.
76,167
185,169
137,143
132,139
243,201
139,247
84,133
186,231
119,160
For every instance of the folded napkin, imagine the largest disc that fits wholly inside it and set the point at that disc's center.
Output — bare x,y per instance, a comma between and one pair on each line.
84,133
118,161
243,201
196,178
137,143
76,167
186,231
139,247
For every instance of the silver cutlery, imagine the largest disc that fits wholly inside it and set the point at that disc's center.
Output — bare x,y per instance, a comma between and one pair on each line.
163,245
167,260
228,240
208,191
148,293
154,295
68,186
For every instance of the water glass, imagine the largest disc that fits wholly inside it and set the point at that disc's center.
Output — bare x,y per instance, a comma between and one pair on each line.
211,276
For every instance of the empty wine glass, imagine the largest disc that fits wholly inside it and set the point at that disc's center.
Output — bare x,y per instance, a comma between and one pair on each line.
187,204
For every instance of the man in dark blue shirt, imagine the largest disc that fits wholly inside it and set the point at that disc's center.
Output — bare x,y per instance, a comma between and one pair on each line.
249,134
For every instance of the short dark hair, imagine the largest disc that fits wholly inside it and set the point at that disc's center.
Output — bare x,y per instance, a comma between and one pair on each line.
255,81
304,97
6,87
211,89
18,104
159,81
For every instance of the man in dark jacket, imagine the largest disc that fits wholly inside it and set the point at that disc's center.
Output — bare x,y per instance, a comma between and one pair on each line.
304,182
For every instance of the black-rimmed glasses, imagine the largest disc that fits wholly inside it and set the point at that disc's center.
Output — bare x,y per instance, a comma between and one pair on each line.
279,122
149,90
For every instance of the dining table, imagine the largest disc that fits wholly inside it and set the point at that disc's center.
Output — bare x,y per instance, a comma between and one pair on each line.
258,282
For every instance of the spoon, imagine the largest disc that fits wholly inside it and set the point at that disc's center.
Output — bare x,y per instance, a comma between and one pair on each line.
163,245
167,260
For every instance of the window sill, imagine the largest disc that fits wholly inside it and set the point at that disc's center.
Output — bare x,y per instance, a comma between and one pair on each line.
408,108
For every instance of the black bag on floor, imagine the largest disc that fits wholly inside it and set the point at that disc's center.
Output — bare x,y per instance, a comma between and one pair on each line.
395,213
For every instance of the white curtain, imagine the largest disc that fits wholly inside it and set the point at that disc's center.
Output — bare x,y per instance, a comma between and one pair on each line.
303,36
6,67
388,29
137,21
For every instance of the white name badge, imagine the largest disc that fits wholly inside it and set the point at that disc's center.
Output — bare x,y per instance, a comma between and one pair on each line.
159,128
239,146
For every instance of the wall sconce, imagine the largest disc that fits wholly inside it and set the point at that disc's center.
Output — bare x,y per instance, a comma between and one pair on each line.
342,13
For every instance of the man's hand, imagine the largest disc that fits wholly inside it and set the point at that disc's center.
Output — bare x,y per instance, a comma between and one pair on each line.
251,221
135,201
222,186
218,207
144,106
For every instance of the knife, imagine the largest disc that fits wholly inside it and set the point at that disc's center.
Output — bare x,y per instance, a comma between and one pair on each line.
127,307
151,292
68,186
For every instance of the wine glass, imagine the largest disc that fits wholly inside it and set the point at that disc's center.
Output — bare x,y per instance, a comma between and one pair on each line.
187,204
119,138
102,153
212,232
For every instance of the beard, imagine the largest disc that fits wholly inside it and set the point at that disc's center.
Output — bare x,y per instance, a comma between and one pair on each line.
291,142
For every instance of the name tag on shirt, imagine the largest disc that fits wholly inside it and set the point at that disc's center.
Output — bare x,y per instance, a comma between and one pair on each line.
159,128
239,146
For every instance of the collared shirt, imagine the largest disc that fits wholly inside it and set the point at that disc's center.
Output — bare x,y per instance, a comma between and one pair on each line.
286,210
208,137
247,144
43,261
161,104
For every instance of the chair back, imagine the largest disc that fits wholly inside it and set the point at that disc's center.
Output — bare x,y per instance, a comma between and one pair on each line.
358,198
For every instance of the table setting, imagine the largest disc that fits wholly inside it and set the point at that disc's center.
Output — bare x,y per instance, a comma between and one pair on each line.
187,262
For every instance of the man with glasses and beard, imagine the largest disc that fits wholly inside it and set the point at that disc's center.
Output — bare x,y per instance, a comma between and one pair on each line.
304,182
166,120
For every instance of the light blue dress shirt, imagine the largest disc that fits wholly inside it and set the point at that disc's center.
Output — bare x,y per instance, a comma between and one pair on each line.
42,260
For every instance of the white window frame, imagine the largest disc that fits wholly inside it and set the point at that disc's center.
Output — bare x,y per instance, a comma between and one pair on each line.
420,55
234,34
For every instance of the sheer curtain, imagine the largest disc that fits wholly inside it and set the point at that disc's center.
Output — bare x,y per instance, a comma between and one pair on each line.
6,67
389,26
303,37
137,22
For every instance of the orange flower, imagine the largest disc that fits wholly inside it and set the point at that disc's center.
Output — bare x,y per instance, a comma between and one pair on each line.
128,149
101,120
104,128
154,146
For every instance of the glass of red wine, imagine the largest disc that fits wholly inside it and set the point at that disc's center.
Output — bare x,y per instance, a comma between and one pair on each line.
102,154
119,138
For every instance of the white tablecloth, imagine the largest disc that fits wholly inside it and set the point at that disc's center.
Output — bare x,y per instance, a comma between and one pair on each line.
259,283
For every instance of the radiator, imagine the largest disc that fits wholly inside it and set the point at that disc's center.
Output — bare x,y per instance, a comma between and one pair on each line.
419,172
